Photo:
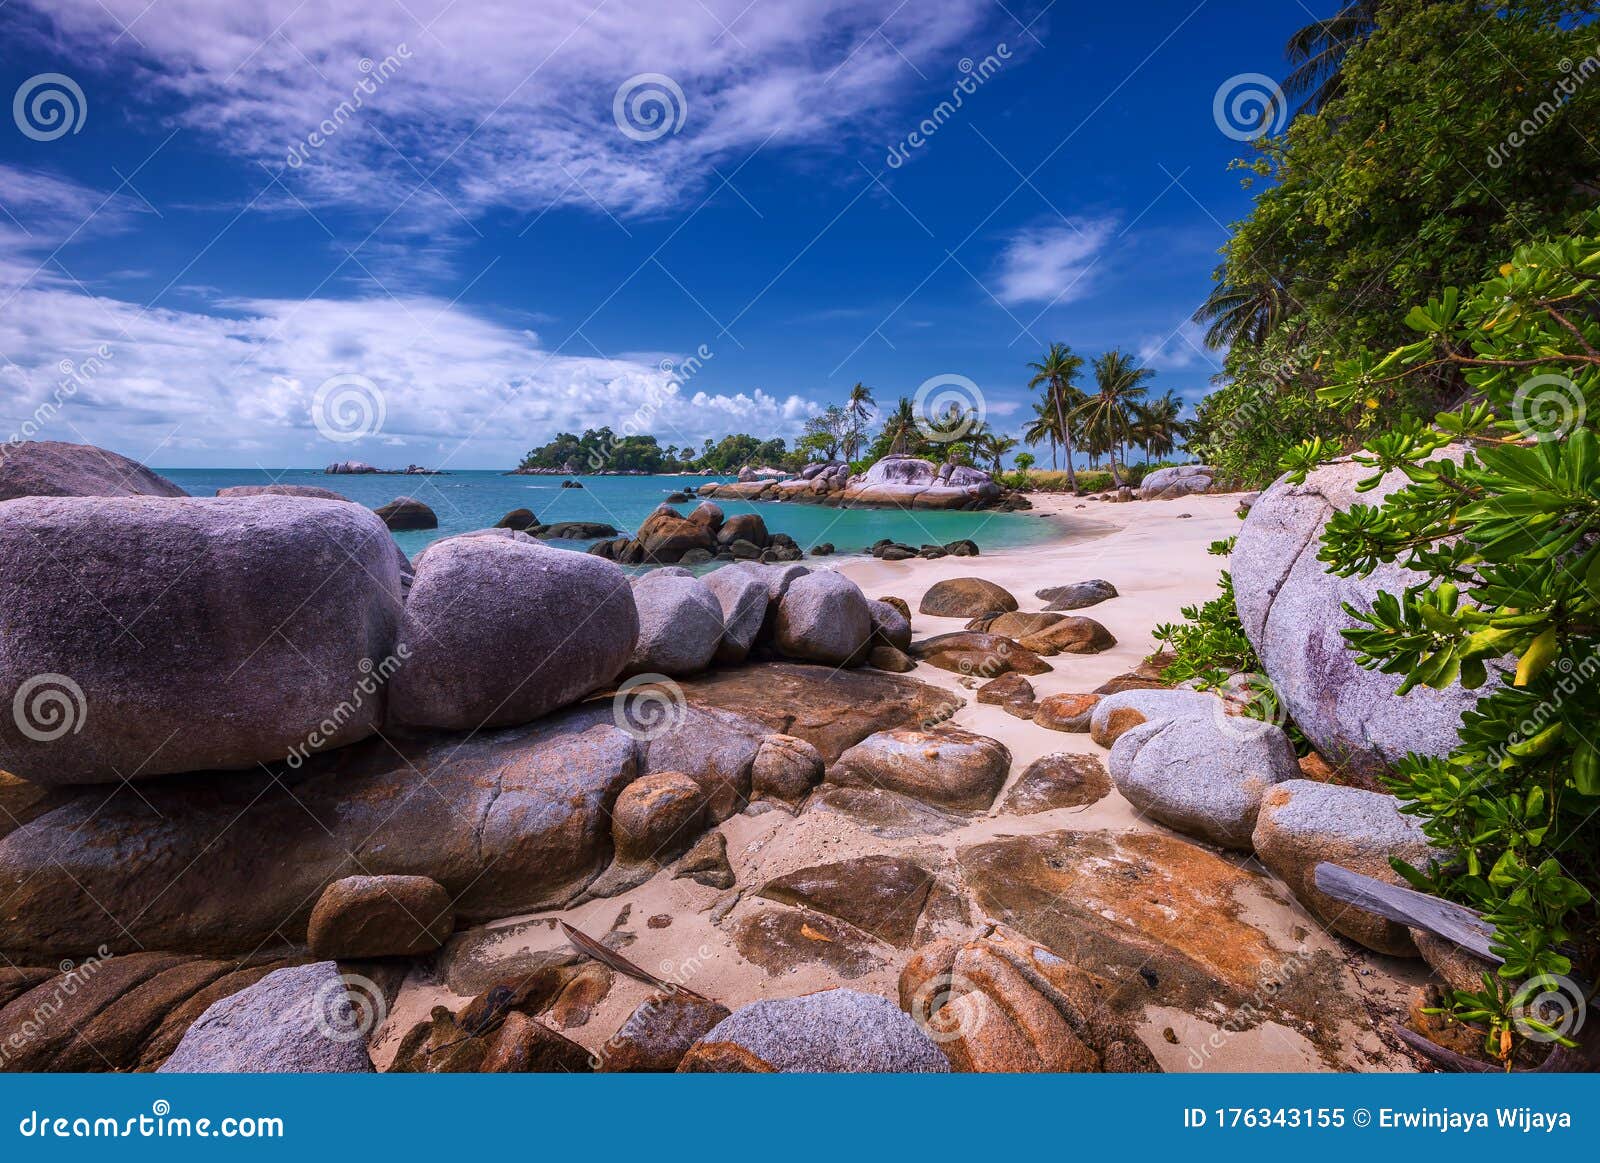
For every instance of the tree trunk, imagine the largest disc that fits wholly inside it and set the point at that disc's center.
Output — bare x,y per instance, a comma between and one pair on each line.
1066,440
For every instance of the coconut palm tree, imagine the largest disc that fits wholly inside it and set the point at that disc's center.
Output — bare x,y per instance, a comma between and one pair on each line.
1058,372
859,407
901,425
1243,312
1044,426
1156,425
996,448
1119,380
1317,53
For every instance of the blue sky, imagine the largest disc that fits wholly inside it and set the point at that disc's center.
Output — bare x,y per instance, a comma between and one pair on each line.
486,251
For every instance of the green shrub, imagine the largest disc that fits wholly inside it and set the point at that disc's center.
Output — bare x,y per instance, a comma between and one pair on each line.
1507,536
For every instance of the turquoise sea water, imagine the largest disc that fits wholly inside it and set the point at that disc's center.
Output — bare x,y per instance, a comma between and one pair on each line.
472,500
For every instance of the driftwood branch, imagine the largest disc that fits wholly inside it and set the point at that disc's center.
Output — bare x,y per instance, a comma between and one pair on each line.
1454,923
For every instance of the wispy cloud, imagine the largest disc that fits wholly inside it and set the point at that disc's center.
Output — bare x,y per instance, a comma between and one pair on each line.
1053,263
1180,349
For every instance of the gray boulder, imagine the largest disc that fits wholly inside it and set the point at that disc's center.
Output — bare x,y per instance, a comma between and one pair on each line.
742,594
163,635
49,468
1121,712
313,491
680,625
823,617
1166,484
1076,596
1303,824
499,631
889,626
1203,776
302,1020
836,1031
1292,611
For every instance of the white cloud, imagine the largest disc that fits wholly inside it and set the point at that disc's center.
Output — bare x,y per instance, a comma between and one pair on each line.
508,103
237,378
1180,349
1052,264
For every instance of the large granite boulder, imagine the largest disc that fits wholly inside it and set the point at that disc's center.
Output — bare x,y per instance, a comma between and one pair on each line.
976,653
1303,823
890,627
1203,776
50,468
667,535
303,1020
1077,595
742,594
1165,484
313,491
680,624
836,1031
163,635
823,617
1121,712
499,631
908,482
1293,612
966,597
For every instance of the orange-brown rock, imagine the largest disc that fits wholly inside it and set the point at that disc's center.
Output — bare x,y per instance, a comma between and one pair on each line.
1065,712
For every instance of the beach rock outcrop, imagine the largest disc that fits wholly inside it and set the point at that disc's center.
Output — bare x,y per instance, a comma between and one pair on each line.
51,468
976,653
1070,635
380,916
167,635
1203,776
1066,711
1293,612
946,766
522,520
837,1030
1184,480
499,631
1302,824
1055,781
823,617
303,1020
1076,596
966,597
680,624
1004,1004
407,513
881,895
890,627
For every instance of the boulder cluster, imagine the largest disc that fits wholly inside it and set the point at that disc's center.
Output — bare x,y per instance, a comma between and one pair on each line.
894,482
668,536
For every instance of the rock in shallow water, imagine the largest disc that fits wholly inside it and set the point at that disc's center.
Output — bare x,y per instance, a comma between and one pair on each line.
169,635
836,1031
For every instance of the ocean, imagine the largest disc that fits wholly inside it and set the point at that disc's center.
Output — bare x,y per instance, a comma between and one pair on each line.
465,501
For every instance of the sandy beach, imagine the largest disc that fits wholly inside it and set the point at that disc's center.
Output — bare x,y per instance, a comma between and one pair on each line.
1155,554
